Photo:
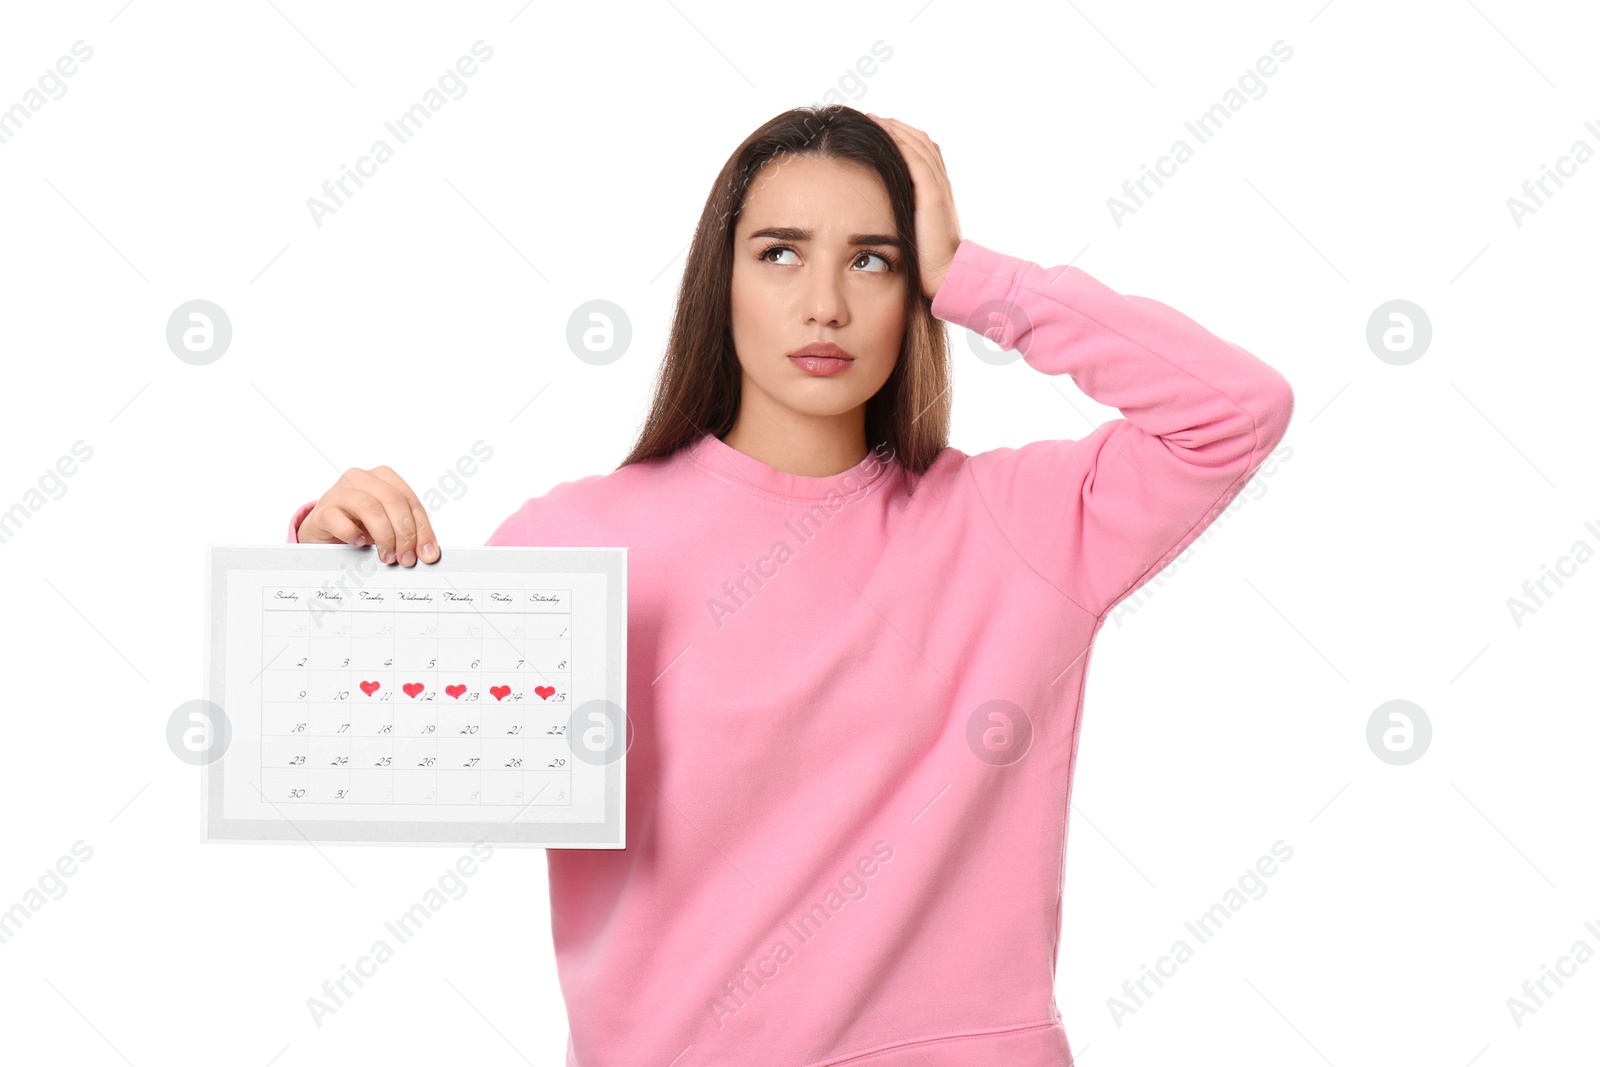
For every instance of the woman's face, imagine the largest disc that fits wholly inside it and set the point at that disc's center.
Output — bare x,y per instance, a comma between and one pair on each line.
816,258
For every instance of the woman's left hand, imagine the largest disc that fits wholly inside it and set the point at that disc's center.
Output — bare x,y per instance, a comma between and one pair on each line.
938,229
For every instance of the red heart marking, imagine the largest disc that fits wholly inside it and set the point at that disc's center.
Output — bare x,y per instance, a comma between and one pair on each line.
412,688
545,691
455,690
369,687
499,692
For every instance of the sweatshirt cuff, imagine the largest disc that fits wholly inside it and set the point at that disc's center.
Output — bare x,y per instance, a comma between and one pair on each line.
294,522
977,278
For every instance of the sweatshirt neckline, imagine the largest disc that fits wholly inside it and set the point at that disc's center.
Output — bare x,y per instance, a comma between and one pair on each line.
722,460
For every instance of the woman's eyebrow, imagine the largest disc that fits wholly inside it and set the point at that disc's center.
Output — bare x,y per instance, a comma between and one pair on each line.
796,233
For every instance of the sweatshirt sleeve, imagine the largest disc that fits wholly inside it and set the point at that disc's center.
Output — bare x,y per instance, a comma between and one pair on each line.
1098,516
296,519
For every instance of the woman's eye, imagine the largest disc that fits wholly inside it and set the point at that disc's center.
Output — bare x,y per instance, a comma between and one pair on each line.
888,264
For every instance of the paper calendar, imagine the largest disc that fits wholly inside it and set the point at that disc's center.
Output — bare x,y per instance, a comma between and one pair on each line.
482,697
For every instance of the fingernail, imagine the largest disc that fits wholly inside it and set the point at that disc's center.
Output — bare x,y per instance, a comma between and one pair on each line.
429,553
408,559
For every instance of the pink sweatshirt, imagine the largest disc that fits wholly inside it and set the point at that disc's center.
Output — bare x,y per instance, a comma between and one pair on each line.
856,700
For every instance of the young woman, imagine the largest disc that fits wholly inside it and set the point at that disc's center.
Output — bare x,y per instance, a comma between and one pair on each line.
857,655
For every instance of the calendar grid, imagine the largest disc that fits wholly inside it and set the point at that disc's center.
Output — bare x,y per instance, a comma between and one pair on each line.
398,698
479,698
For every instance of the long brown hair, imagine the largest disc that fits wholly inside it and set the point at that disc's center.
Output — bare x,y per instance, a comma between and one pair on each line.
698,387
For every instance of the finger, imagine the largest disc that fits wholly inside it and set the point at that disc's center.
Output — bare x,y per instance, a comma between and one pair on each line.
930,150
329,524
373,517
344,527
376,507
414,530
925,167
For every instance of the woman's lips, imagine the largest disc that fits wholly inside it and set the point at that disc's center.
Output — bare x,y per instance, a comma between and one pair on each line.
822,366
822,358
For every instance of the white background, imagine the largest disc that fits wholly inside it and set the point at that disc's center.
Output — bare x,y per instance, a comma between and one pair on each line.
430,312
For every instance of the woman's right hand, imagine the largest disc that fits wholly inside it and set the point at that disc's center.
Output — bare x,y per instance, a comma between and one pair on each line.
374,507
